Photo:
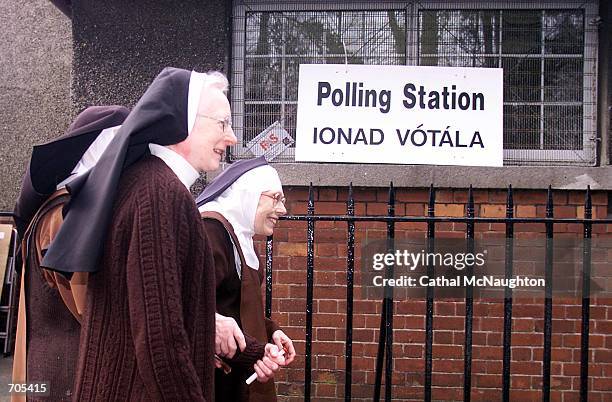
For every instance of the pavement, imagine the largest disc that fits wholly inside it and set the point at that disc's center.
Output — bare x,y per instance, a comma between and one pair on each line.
6,368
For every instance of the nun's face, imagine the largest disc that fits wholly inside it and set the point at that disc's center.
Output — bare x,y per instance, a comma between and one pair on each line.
271,206
210,135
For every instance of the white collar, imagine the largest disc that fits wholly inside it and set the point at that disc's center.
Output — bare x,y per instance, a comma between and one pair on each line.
92,155
186,173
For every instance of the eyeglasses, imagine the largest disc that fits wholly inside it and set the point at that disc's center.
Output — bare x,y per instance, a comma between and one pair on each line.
227,122
278,198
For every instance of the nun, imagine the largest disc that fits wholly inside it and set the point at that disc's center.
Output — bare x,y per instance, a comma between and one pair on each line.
148,329
245,200
50,305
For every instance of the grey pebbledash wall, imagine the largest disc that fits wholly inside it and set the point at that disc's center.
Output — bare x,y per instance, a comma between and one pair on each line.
52,67
120,46
35,64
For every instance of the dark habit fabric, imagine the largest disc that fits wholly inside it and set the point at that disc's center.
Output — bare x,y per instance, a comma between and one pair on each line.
225,179
53,162
52,333
148,327
239,298
159,117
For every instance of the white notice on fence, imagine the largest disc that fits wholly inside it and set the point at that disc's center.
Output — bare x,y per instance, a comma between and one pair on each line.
271,142
400,114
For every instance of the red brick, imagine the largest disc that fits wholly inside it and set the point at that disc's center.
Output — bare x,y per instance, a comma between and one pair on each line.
296,208
520,382
576,197
447,379
443,337
294,193
416,209
461,196
410,307
527,368
452,210
291,249
382,194
492,211
448,351
447,366
326,334
292,305
444,195
494,339
603,355
327,306
529,197
449,323
522,325
447,393
377,208
602,384
487,381
599,197
295,235
564,212
525,211
359,194
412,195
329,250
560,197
527,310
526,339
297,291
486,352
498,196
330,208
444,308
280,291
330,236
561,354
327,194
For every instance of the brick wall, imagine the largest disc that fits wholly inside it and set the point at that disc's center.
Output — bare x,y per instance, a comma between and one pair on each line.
329,306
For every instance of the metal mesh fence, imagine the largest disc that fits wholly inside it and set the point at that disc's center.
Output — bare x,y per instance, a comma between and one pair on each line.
548,56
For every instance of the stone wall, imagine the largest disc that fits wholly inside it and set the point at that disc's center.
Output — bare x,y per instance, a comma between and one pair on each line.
35,65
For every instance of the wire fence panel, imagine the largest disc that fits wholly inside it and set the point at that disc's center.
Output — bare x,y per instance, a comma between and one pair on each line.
548,53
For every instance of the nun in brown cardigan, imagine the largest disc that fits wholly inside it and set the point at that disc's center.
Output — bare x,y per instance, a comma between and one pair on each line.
245,200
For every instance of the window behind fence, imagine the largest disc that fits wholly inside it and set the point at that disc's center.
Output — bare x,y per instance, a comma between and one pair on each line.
548,56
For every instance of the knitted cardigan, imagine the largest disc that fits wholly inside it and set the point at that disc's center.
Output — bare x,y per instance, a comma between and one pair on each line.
148,328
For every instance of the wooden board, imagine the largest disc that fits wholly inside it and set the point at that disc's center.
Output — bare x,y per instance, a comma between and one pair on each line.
6,231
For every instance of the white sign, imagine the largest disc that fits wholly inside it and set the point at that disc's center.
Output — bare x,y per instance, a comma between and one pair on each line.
271,142
400,114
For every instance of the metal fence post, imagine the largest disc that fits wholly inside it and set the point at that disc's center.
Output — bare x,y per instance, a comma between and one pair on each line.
350,270
586,297
509,260
309,293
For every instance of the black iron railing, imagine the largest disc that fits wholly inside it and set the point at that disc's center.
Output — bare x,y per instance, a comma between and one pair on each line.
386,325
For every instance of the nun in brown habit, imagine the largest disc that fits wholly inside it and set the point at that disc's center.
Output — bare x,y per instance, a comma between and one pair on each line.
50,305
245,200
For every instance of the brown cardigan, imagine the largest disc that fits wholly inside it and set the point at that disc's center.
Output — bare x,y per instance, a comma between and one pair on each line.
148,325
241,300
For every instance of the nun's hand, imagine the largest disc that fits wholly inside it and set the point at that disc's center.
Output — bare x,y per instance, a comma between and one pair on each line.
284,342
228,336
272,361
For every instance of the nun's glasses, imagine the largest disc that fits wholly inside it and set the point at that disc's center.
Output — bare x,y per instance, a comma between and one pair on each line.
227,122
278,198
